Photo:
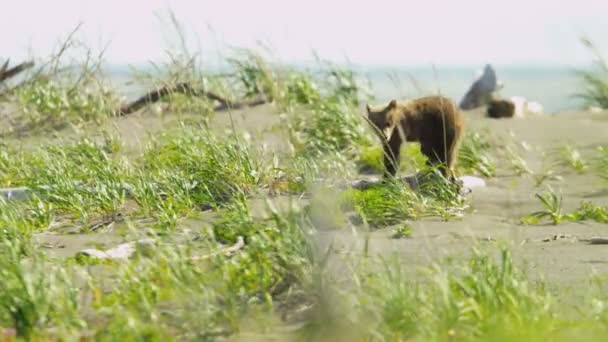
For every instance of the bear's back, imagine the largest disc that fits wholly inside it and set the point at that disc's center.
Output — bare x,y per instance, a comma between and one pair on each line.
436,115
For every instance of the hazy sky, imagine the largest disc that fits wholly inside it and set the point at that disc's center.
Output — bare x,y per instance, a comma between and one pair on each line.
368,32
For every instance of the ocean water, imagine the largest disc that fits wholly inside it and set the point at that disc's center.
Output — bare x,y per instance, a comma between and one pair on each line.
554,88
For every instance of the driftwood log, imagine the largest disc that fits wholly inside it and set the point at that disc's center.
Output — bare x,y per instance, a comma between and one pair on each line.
6,72
185,88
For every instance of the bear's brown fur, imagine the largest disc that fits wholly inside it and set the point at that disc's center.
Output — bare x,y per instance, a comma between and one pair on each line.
500,109
434,121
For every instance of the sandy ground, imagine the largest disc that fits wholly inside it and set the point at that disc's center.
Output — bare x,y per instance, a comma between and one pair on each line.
566,263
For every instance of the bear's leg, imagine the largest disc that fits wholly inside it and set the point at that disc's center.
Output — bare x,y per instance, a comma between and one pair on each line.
436,156
392,149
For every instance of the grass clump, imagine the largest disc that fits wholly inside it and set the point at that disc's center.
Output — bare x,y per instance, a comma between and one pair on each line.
54,103
36,298
484,298
392,202
330,118
595,81
69,88
276,256
572,158
371,159
81,179
552,204
589,211
602,162
207,168
383,205
178,292
13,163
474,155
403,231
546,173
255,75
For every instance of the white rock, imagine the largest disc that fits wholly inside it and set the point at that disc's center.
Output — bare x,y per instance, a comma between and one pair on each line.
471,182
122,251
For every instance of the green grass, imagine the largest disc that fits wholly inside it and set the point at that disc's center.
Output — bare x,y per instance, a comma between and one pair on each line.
571,157
412,160
485,297
552,204
54,103
601,162
392,202
475,155
196,193
329,118
595,80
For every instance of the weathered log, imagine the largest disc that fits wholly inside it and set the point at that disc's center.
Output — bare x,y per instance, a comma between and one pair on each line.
6,72
185,88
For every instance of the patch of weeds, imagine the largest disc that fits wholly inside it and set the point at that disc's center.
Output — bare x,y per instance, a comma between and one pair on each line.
516,162
132,307
301,89
36,298
276,250
403,231
329,126
53,103
553,211
289,174
199,166
371,159
384,205
172,293
572,158
256,77
483,298
546,173
552,204
80,179
442,197
595,81
22,218
66,89
475,156
333,121
589,211
13,165
602,162
392,202
182,71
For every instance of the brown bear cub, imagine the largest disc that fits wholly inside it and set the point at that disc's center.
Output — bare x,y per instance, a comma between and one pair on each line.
500,109
434,121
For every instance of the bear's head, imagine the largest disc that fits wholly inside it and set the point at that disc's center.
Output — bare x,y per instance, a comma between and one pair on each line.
381,119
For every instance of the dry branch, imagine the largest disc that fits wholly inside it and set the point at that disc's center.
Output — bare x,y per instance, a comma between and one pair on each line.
6,73
227,251
185,88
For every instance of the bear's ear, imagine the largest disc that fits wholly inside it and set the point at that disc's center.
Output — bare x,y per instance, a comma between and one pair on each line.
392,104
369,109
